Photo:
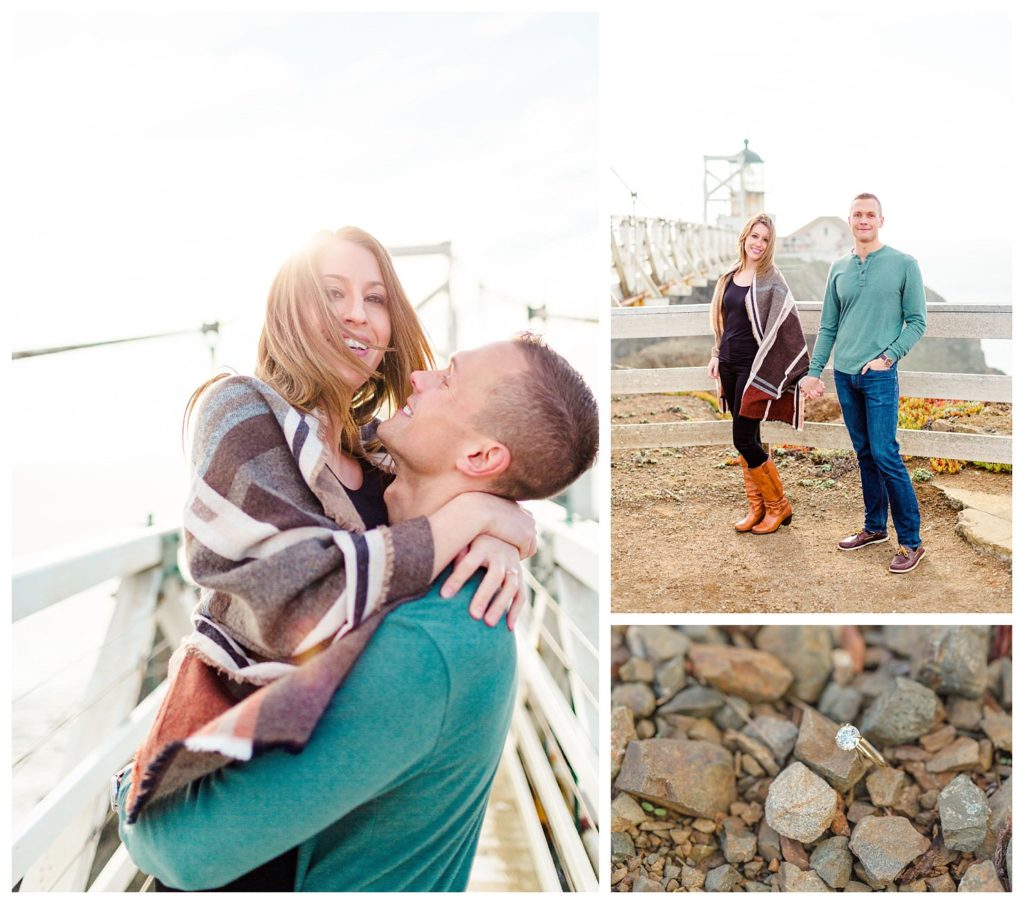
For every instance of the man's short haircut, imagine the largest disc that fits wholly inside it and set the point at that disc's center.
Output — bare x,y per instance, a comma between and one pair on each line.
547,417
867,196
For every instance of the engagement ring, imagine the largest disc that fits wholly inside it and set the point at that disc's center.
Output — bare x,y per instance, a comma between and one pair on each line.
849,738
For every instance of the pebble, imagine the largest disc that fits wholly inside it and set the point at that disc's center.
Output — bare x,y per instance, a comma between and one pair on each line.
636,697
964,813
998,726
980,877
734,714
833,862
692,777
901,713
739,844
750,674
722,878
690,877
806,650
671,677
623,732
636,670
943,883
695,700
816,747
843,666
858,810
705,730
622,846
954,660
793,852
936,740
963,713
885,785
755,887
840,703
645,884
962,754
858,887
800,804
768,842
778,734
656,642
884,845
999,803
794,879
626,812
755,748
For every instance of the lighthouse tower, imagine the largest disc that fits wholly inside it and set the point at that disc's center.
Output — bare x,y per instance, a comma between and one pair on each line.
733,187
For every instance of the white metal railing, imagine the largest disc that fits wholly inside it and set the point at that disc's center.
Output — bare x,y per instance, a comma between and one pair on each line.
551,753
945,321
655,258
54,847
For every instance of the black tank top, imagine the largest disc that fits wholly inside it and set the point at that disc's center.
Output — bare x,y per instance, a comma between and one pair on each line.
738,346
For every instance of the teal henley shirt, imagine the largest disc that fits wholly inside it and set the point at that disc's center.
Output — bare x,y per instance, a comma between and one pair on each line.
389,793
871,306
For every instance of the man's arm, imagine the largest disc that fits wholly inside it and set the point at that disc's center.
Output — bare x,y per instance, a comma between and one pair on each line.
374,734
915,313
827,328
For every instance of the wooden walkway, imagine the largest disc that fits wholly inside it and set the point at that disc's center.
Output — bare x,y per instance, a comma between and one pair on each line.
503,861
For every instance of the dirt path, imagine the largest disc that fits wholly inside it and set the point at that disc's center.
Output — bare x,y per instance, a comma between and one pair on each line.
674,548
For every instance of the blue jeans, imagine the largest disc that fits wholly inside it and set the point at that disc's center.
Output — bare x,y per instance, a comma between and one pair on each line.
870,407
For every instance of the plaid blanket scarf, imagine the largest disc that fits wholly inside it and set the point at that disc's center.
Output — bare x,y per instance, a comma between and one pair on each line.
772,392
292,589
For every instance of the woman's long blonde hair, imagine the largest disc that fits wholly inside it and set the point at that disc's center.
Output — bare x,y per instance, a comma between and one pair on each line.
302,345
764,266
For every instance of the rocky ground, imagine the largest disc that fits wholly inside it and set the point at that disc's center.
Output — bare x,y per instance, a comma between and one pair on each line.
674,548
726,775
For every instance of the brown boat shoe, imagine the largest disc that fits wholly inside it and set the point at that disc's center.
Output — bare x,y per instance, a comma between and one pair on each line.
861,539
906,560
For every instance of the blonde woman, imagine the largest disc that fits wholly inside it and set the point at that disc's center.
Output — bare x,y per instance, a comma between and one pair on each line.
758,359
287,534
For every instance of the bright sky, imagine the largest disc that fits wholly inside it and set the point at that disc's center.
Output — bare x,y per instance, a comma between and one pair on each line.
909,101
172,161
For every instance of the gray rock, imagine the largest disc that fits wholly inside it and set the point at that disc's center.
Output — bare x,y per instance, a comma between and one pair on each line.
778,734
954,660
964,813
636,670
800,804
832,861
646,884
885,785
729,716
739,844
704,633
768,845
692,777
751,674
724,878
753,887
623,732
900,714
656,642
962,754
635,696
695,700
999,803
840,704
671,677
884,845
998,726
963,713
794,879
806,650
622,847
816,747
981,877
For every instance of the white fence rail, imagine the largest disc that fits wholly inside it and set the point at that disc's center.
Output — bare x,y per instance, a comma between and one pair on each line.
552,750
945,321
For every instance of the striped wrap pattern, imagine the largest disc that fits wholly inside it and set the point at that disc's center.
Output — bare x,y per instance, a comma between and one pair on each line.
292,588
772,391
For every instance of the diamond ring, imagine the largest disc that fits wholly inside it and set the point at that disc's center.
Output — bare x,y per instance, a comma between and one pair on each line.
849,738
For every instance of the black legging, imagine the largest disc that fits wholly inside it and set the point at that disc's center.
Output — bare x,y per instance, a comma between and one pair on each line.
746,431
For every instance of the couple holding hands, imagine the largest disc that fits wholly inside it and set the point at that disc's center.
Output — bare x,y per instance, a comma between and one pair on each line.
873,312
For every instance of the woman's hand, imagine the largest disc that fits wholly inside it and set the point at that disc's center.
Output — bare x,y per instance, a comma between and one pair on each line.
508,521
713,368
502,589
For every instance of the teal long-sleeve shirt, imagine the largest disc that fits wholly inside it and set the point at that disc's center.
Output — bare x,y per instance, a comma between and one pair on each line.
872,306
390,792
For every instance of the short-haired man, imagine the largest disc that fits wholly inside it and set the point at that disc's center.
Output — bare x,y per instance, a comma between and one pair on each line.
873,313
390,791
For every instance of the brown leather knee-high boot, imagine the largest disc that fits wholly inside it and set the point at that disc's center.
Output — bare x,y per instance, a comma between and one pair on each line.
777,510
754,501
